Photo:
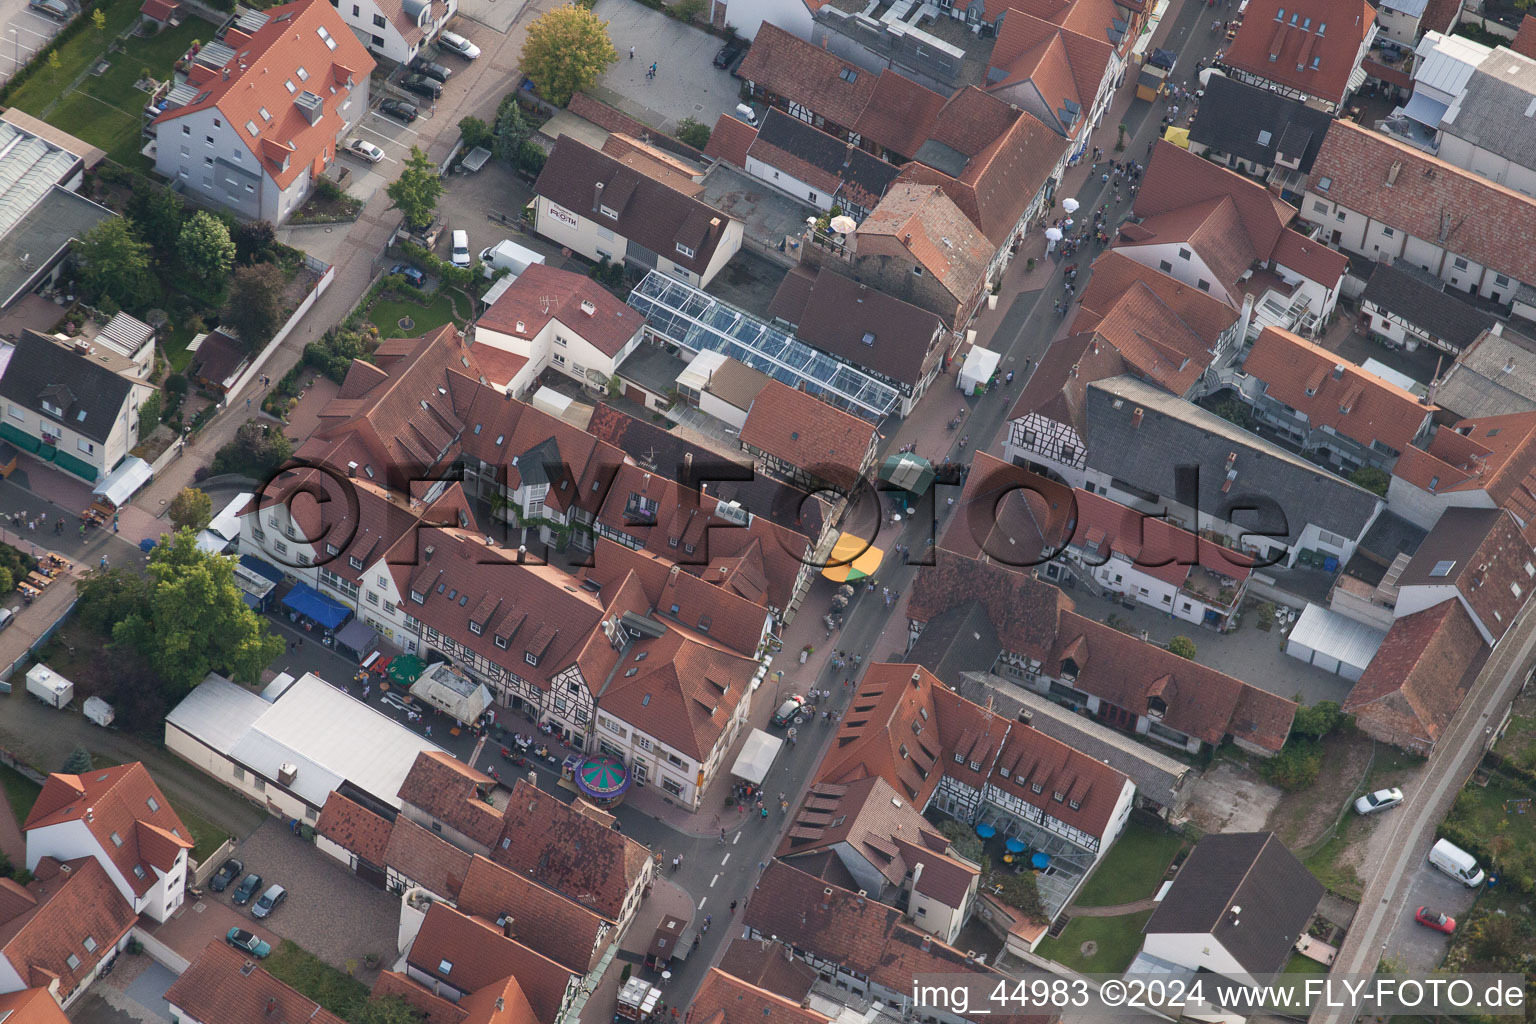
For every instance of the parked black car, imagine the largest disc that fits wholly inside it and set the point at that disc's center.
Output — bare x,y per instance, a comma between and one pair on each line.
399,110
421,85
727,55
436,72
228,872
247,891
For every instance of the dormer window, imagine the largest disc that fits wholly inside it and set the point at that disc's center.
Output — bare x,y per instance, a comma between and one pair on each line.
959,759
685,250
531,658
1076,805
418,597
355,562
51,409
1035,787
476,628
608,211
501,642
1058,796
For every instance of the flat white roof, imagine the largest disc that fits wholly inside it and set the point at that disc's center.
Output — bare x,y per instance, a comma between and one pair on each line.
327,734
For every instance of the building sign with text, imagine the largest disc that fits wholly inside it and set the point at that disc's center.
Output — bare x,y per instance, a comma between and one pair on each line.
563,215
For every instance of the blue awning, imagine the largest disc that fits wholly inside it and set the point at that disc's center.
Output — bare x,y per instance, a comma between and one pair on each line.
312,604
262,569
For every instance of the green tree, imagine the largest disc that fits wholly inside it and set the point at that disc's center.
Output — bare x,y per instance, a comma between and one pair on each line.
254,241
1372,479
688,10
694,132
416,192
257,450
78,761
567,49
963,838
114,262
158,214
7,579
149,413
511,131
107,598
1020,892
205,247
191,508
254,305
1183,646
99,19
194,620
387,1010
54,64
1296,766
1318,720
475,132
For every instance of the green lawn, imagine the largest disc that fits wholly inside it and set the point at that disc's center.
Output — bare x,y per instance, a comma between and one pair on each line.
206,836
106,110
1299,964
386,313
1488,813
175,350
1118,940
338,992
20,791
1324,865
1132,869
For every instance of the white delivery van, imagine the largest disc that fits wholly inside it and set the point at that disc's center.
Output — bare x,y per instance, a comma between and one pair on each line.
49,687
507,254
1457,863
99,711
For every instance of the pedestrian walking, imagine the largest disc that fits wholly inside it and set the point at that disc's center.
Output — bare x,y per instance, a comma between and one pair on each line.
103,561
631,53
429,730
733,906
247,405
722,837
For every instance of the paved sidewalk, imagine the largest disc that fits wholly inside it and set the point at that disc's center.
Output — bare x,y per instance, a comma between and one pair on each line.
1125,908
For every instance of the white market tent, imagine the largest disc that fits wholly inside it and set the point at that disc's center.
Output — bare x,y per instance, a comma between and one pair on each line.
756,757
980,364
444,686
125,481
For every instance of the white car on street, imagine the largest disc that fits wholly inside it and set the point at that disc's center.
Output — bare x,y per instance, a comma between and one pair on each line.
1380,800
365,151
455,43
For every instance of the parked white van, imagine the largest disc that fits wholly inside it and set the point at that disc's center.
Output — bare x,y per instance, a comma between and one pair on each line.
1457,863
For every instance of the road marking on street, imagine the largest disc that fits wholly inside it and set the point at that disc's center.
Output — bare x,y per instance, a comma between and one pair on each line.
727,857
738,834
701,902
712,881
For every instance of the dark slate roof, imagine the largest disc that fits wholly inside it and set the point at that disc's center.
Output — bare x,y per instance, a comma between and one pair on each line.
91,396
847,162
1172,433
1252,871
957,641
1233,113
1422,300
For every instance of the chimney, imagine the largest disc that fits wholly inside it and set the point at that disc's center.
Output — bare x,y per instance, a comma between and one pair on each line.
501,1004
522,553
271,1006
286,773
597,196
688,468
917,679
429,552
927,943
1136,418
917,873
352,470
1027,718
507,928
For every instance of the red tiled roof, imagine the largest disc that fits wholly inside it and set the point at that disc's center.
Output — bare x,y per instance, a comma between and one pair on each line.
618,122
545,921
1488,223
483,957
1419,677
1008,514
1115,274
1058,387
684,693
32,1006
1524,42
922,223
216,987
567,851
353,827
159,10
543,293
1011,155
795,70
726,999
1495,455
431,862
1335,393
1264,36
730,140
806,432
1311,259
1063,66
1092,18
434,1009
1022,609
125,812
72,901
1112,527
1200,701
454,793
900,113
268,59
653,163
766,966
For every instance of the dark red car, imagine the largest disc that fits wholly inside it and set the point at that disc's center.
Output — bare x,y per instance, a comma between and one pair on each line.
1436,920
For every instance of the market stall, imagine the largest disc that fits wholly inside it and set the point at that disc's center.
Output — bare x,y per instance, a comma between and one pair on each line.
977,369
852,558
450,690
757,757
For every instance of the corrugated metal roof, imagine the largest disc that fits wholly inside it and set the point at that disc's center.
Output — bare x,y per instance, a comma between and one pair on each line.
1446,62
1333,635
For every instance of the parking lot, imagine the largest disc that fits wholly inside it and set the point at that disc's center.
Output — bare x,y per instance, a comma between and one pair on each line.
24,32
687,84
1417,948
329,911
